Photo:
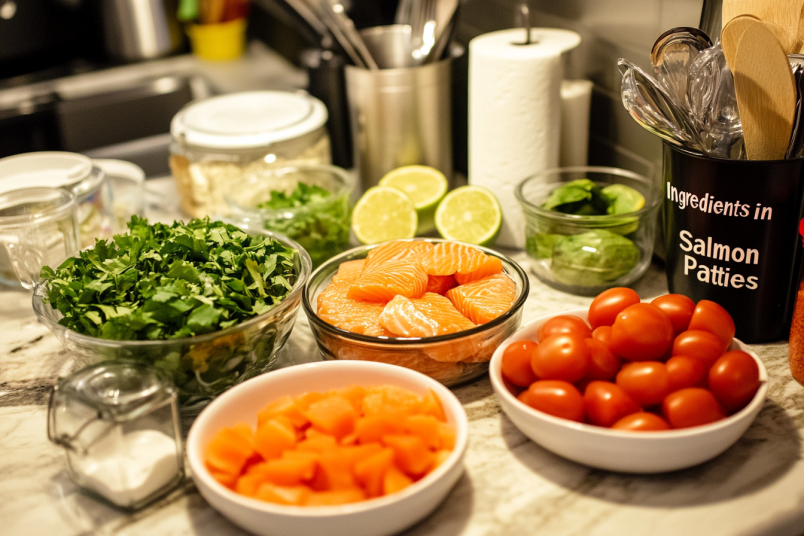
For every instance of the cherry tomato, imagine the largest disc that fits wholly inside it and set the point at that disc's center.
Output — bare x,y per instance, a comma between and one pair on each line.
609,303
557,398
684,371
699,344
561,357
603,365
713,318
646,382
516,363
564,324
734,379
641,422
603,334
678,308
642,332
606,403
692,406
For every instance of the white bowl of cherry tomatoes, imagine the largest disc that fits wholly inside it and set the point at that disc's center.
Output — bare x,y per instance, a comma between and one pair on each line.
631,386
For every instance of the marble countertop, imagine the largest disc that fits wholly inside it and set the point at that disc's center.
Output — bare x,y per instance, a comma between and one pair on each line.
511,485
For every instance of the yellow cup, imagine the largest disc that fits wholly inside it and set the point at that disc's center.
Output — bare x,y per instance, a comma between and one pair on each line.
218,42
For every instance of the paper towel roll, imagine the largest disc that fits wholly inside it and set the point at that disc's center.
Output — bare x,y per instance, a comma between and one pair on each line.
514,114
576,99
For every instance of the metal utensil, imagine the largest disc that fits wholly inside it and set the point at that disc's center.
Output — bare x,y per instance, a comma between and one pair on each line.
650,106
423,29
672,54
713,104
309,15
341,24
796,147
446,21
390,46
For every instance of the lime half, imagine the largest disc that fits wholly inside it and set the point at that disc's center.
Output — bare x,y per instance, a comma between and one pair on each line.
469,214
425,186
384,213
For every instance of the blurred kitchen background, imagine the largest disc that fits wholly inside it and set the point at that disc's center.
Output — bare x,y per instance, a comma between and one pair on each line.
104,77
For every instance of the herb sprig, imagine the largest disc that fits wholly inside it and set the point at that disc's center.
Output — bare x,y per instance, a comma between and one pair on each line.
168,281
319,222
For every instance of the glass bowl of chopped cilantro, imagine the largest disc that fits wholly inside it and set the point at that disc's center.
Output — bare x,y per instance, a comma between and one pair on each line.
309,204
589,228
206,302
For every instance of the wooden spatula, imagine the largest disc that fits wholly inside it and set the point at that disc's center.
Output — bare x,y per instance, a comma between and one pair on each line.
785,13
731,35
766,93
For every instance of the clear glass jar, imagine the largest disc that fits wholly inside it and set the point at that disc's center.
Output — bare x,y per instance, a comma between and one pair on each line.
98,216
218,141
38,227
118,423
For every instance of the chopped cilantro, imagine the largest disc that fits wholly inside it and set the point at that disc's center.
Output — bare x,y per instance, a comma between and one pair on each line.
318,221
168,281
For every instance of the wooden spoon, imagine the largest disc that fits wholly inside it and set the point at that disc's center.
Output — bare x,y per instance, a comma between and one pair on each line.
731,35
766,93
785,13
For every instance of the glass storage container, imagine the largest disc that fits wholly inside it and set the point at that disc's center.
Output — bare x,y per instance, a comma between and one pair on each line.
118,423
218,141
103,204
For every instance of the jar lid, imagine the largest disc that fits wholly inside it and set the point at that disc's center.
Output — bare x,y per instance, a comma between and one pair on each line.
117,390
51,169
247,120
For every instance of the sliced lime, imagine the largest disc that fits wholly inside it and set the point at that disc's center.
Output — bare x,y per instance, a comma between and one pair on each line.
469,214
425,186
384,213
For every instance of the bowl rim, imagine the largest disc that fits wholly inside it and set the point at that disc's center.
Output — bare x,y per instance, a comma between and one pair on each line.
495,374
414,341
305,266
652,200
347,184
448,400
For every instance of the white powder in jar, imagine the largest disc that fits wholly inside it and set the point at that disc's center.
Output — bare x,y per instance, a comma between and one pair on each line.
126,469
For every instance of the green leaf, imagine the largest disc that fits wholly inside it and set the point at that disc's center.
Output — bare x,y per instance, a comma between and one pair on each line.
203,320
166,281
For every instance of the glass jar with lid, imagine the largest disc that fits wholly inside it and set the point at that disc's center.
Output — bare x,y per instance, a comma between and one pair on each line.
219,140
118,422
72,171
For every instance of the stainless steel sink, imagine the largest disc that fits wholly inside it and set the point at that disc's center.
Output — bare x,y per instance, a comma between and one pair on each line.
127,120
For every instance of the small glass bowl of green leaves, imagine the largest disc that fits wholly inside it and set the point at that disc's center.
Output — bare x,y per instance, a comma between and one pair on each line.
307,203
588,228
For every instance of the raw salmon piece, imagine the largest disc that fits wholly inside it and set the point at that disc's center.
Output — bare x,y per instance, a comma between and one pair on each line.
485,299
349,270
448,258
380,283
336,308
396,251
428,316
378,331
440,284
491,266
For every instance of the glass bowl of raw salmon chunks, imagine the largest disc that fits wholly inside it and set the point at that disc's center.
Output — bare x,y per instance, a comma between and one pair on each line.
436,306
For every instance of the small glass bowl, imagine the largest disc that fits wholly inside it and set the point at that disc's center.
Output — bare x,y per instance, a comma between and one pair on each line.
432,356
616,255
321,227
203,366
